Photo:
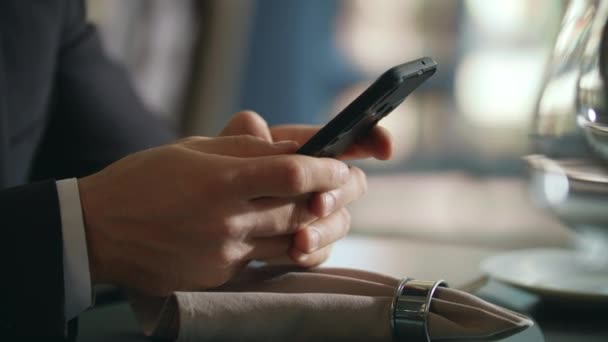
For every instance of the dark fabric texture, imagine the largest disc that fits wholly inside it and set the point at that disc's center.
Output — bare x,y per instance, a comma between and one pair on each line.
66,110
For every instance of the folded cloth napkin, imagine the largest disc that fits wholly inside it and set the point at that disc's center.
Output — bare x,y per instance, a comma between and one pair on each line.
287,303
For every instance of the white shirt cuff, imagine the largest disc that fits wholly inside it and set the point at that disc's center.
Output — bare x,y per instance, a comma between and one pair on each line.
76,273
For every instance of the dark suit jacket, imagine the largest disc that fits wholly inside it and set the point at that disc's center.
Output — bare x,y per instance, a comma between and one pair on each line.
65,111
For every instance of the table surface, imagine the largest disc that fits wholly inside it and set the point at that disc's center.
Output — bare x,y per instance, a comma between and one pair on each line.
556,322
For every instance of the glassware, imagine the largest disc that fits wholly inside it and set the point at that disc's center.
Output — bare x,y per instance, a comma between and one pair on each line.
570,174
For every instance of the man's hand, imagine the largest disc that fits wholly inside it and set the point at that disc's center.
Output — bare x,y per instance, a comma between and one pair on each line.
378,144
313,243
189,215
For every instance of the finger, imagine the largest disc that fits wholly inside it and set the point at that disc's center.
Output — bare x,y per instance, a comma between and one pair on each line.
377,144
310,260
280,215
323,232
286,215
271,247
238,146
247,122
298,133
280,260
322,204
289,175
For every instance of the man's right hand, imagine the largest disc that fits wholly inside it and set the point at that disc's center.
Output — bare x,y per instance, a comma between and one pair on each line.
189,215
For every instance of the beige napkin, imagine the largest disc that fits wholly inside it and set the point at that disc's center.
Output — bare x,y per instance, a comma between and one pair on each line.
287,303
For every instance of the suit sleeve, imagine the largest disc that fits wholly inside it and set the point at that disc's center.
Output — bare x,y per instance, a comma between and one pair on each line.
95,119
31,261
96,116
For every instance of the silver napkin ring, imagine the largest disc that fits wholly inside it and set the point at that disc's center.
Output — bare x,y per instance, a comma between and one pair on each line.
410,309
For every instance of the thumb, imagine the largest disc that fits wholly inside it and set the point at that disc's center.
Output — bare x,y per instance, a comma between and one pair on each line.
247,122
239,146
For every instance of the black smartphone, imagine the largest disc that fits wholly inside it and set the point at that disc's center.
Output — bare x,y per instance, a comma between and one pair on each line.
376,102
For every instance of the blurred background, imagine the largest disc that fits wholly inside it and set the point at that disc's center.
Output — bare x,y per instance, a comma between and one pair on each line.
457,174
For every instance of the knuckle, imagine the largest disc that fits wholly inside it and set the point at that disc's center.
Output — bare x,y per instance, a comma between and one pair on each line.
228,255
232,228
296,179
225,256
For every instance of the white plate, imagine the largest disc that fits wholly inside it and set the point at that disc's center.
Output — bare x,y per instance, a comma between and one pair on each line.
551,273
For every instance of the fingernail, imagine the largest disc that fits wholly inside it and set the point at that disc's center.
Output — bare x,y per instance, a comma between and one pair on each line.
314,238
329,202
